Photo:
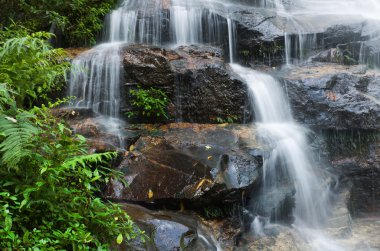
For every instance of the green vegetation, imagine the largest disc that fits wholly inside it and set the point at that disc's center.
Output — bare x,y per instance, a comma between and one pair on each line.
79,21
215,212
49,183
149,102
227,117
30,67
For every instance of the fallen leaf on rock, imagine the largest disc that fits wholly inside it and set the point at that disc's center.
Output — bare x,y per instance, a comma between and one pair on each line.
150,194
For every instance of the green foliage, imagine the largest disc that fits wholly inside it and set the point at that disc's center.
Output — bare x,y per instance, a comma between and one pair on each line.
29,65
149,102
12,31
6,97
78,20
214,212
226,118
48,186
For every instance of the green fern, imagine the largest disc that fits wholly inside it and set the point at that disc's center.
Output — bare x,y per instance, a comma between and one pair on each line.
31,67
6,99
17,133
83,161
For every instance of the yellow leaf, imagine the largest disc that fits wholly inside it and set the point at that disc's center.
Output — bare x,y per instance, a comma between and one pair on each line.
150,194
202,182
131,148
209,157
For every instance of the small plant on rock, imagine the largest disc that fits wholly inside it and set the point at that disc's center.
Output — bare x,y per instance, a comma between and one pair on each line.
149,103
227,118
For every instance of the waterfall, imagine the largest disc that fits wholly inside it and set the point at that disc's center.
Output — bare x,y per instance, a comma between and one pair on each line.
97,87
96,83
231,39
289,160
289,155
306,18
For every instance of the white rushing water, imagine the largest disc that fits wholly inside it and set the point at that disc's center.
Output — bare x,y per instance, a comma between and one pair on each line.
306,18
290,150
95,79
289,158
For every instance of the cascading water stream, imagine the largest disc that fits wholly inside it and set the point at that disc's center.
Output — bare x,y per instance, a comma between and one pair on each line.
96,75
289,147
289,160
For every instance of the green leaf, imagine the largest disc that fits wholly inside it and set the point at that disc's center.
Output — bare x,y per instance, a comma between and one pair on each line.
81,138
8,223
119,239
25,238
43,170
23,203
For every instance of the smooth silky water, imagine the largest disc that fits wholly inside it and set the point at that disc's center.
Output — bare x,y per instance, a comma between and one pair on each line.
290,157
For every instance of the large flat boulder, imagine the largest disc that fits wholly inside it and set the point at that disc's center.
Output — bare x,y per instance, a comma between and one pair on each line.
197,164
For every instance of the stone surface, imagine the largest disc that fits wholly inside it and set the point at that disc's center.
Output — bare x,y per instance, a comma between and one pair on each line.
199,84
190,163
354,157
343,103
102,134
168,231
331,96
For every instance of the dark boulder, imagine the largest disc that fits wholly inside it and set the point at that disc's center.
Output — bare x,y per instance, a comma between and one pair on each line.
200,85
168,230
354,156
197,164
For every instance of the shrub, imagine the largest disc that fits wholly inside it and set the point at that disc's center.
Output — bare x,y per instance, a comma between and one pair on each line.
78,20
149,102
30,67
48,187
48,182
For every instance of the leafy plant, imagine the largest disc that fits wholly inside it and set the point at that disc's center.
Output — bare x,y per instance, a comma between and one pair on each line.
215,212
49,183
149,102
227,118
48,187
79,21
30,67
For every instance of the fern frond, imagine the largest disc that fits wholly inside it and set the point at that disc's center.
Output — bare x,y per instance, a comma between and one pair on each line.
16,144
86,159
5,96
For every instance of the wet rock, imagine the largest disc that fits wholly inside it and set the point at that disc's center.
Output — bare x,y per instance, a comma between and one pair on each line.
354,157
332,96
350,49
102,134
198,82
370,52
169,231
341,34
74,113
327,56
197,164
